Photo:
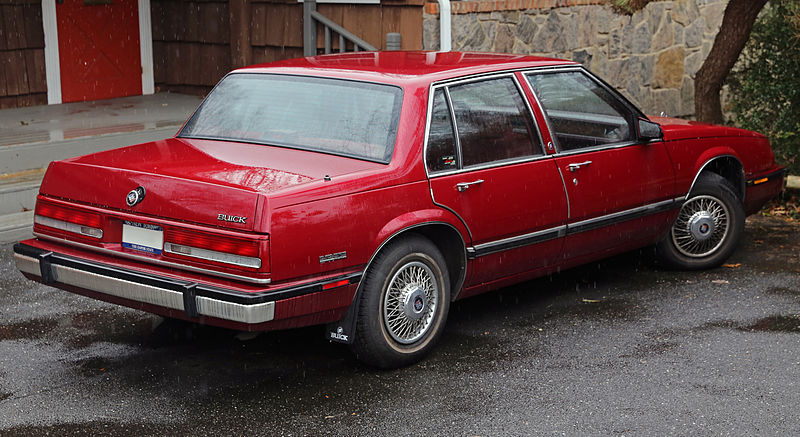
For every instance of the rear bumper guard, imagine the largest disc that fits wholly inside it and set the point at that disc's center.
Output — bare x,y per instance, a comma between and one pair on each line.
193,298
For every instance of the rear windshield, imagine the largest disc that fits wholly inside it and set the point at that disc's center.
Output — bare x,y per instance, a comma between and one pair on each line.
341,117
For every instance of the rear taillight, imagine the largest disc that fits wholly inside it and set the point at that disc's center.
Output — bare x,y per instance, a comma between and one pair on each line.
216,248
68,219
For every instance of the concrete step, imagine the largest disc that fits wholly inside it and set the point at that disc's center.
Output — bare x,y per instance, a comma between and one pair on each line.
15,227
18,194
793,182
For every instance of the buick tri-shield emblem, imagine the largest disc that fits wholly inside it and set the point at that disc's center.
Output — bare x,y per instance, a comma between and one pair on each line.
135,196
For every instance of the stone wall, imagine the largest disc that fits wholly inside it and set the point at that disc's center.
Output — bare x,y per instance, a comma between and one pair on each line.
651,56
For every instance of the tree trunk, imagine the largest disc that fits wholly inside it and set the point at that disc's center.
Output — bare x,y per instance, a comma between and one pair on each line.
740,15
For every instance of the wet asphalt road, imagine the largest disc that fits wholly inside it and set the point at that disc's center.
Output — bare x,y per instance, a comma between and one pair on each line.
617,347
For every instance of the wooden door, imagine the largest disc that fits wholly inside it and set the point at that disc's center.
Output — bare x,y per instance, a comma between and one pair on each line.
98,45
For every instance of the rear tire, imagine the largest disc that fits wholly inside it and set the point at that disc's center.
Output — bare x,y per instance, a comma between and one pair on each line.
403,305
708,228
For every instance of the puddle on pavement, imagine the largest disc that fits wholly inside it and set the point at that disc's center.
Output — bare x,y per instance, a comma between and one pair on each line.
776,323
4,396
93,366
784,291
28,330
108,325
779,323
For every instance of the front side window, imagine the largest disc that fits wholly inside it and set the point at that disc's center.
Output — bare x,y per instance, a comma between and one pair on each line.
341,117
581,112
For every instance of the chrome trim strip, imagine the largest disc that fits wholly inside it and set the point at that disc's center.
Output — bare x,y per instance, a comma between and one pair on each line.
517,241
628,214
492,164
251,314
599,148
571,228
153,261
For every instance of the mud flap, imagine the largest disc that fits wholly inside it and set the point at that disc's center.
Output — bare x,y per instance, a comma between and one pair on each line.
344,330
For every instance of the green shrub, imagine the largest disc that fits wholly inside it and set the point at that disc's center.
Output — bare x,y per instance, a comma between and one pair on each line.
765,87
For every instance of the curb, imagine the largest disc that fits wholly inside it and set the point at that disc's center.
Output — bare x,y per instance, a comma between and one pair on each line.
793,183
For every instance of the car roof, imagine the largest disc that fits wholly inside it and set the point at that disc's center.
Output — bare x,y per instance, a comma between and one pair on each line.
403,67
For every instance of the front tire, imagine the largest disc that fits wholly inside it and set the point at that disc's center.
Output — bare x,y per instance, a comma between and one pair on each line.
708,228
403,305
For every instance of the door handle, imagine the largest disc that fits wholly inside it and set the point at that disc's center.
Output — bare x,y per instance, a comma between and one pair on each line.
462,186
576,165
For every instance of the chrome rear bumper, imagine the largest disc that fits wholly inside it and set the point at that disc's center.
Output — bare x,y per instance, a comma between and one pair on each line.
194,299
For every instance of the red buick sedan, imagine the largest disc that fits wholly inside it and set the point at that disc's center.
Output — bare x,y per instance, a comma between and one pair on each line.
368,191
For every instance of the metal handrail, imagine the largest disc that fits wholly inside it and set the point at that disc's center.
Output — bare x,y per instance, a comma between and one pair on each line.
311,17
343,33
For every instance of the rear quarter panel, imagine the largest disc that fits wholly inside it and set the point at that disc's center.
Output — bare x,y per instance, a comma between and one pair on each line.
356,224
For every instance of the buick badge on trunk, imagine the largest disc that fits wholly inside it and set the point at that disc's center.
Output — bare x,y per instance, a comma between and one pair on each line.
135,196
231,218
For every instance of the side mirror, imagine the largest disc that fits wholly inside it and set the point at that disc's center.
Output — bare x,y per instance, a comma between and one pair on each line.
649,130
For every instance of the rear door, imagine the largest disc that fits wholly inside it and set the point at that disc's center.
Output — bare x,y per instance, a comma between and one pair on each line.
486,163
619,188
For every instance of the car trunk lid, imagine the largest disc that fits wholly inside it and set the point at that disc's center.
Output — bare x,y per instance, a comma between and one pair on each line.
207,182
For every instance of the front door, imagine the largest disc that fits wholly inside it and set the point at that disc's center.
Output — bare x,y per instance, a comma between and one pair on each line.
619,188
494,175
98,45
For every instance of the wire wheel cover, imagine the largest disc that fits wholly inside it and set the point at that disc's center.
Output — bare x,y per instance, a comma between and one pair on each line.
410,302
701,227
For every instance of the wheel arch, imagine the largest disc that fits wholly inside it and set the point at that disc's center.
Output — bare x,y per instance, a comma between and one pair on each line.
729,167
446,237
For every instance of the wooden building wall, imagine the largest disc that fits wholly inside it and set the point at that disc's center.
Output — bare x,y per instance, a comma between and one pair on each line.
192,46
22,72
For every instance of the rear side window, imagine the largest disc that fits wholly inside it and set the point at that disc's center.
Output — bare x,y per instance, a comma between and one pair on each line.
492,121
441,152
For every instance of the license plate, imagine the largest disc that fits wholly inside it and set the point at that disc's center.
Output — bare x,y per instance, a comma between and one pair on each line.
142,237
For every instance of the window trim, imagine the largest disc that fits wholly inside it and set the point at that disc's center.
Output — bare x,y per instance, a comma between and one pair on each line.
461,169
